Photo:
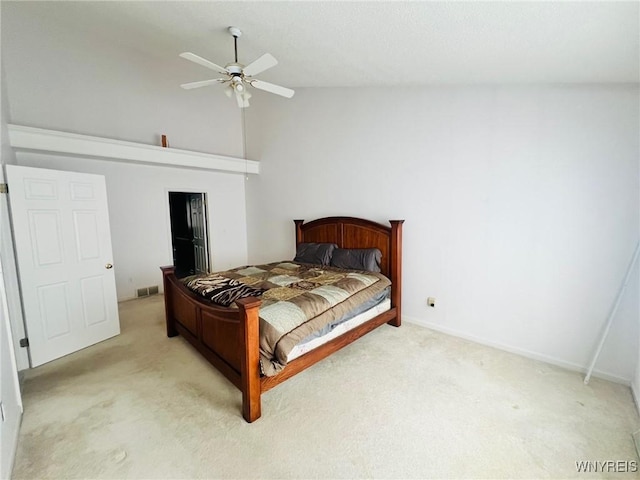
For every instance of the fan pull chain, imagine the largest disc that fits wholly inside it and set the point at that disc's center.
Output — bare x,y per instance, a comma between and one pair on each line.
244,144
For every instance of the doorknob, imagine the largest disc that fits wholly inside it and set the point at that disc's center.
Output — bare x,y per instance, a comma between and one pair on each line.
108,266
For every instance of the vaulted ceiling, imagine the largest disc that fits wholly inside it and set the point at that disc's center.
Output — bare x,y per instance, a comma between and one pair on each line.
329,43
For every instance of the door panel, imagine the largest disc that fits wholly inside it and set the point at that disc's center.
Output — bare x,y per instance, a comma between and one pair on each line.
45,237
86,228
63,244
54,309
94,306
82,191
39,189
199,232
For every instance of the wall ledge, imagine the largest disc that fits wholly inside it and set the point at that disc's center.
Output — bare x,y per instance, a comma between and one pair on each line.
40,140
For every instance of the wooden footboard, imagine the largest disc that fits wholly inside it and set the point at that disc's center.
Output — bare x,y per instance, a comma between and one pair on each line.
229,338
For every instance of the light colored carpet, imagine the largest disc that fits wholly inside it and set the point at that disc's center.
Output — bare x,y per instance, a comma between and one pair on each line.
399,403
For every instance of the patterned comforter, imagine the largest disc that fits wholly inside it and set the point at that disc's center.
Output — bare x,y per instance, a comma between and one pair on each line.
297,300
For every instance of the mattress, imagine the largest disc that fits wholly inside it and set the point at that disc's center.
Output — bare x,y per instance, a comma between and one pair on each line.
340,329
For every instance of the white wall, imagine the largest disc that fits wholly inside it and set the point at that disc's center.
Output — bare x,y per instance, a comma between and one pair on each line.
10,315
10,276
9,390
61,78
521,203
139,215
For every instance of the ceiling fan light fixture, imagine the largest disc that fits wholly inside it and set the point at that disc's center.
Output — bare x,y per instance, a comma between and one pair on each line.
240,100
237,84
243,98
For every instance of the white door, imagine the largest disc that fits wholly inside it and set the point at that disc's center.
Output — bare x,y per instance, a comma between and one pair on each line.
63,249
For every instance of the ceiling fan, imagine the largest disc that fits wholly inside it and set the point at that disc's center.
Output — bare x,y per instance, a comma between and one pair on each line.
237,76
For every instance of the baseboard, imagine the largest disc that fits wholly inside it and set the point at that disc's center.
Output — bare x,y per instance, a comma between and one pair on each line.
519,351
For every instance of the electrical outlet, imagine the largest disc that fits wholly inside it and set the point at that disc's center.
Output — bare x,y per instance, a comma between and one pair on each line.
431,301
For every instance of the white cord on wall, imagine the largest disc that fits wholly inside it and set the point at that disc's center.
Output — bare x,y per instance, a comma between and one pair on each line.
613,313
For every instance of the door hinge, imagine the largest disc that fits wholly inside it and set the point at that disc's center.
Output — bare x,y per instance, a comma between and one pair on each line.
24,342
4,188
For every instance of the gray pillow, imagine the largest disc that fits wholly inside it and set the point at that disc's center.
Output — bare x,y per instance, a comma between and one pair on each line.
315,253
357,259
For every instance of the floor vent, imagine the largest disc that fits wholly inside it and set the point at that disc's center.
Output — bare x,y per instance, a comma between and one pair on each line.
146,291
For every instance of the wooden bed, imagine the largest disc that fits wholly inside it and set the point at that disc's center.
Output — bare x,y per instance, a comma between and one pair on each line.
229,338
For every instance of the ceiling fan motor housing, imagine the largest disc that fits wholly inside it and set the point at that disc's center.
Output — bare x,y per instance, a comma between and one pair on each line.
234,69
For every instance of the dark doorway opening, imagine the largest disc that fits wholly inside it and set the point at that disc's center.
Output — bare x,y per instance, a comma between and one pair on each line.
189,237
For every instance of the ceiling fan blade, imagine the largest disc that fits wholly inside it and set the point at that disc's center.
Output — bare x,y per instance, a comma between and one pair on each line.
202,61
203,83
270,87
263,63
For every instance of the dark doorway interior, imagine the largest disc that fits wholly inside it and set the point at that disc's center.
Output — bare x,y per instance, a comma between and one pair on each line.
189,233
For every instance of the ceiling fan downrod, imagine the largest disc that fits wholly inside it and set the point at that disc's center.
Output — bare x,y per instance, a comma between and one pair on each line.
235,31
235,47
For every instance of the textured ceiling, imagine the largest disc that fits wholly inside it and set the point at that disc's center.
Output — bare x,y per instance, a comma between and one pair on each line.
322,44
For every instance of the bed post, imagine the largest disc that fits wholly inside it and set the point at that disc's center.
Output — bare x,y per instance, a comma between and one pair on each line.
168,307
396,270
298,231
250,357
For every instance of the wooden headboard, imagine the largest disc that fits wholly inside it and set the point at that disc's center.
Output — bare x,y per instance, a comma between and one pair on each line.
350,232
